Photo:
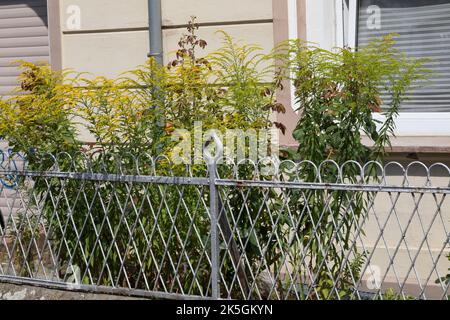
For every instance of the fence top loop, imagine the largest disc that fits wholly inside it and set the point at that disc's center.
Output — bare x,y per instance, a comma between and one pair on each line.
335,165
411,174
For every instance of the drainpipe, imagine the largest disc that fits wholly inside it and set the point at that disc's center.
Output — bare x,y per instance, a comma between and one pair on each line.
155,30
156,51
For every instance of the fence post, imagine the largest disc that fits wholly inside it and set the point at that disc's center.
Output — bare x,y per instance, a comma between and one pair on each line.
211,161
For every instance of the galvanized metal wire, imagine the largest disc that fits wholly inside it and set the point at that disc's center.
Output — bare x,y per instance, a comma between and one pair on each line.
143,226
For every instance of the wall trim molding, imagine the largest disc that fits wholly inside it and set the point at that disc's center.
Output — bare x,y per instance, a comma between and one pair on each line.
169,27
54,33
281,33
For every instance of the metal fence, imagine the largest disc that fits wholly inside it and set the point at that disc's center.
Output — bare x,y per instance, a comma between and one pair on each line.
141,226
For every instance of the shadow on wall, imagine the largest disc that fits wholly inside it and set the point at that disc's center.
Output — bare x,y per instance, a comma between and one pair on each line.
33,8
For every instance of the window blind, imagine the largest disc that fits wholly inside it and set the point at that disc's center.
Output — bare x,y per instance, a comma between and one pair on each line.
424,32
23,36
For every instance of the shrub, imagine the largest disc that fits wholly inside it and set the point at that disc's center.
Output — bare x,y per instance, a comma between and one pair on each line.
135,116
42,119
132,118
446,279
338,92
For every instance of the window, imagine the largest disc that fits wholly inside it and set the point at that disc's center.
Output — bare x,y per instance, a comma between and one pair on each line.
424,31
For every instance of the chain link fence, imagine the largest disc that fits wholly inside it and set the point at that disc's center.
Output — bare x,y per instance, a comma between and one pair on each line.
142,226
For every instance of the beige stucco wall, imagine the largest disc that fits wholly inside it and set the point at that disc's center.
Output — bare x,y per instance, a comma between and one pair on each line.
114,36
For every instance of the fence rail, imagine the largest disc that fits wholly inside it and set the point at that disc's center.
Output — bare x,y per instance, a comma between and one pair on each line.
142,226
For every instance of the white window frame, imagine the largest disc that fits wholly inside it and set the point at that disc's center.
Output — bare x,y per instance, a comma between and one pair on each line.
407,123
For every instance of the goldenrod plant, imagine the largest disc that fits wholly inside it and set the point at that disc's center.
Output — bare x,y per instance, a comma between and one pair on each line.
42,118
135,116
338,93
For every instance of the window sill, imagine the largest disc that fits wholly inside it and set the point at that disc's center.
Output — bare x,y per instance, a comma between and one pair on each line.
405,149
417,144
427,149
